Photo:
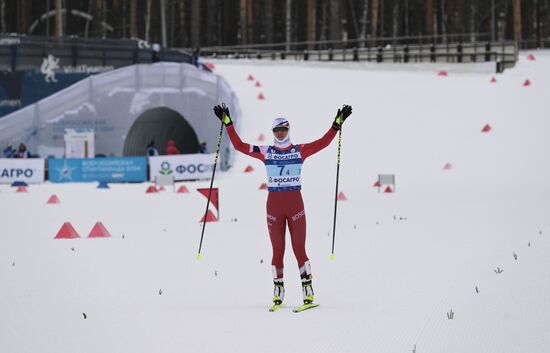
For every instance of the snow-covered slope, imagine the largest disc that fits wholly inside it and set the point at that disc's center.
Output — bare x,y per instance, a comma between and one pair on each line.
403,261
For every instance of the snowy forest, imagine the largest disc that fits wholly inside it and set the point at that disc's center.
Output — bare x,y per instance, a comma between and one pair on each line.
210,23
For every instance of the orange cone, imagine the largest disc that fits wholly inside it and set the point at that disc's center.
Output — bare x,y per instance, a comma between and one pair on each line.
388,190
53,200
341,196
250,78
67,231
527,83
263,186
21,189
249,169
486,128
261,96
209,217
448,166
182,190
442,73
151,189
99,231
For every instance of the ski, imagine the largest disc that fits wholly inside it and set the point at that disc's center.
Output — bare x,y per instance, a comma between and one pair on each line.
275,307
305,307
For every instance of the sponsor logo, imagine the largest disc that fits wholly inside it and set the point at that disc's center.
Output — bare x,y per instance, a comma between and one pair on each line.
49,64
298,215
283,157
10,41
65,172
10,103
165,168
279,180
193,168
16,173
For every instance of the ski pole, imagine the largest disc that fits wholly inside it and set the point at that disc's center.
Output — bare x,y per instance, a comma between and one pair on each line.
336,193
210,190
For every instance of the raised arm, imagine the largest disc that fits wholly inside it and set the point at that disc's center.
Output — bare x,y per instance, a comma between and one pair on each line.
243,147
311,148
222,112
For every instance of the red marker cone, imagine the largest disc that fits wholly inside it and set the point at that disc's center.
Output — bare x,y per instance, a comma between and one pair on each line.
377,184
442,73
250,78
151,189
263,186
261,137
341,196
261,96
448,166
182,190
21,189
531,57
249,169
493,80
388,190
162,188
527,83
99,231
486,128
209,217
53,200
67,231
258,84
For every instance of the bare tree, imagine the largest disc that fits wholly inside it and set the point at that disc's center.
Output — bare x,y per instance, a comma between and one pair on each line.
195,23
310,23
182,29
268,7
211,21
335,20
148,21
243,18
374,21
58,19
517,19
429,17
288,24
3,16
133,18
364,17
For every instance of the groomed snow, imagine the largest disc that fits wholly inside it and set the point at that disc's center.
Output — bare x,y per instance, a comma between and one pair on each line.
403,261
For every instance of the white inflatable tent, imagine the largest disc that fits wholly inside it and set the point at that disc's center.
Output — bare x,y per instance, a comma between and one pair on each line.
127,108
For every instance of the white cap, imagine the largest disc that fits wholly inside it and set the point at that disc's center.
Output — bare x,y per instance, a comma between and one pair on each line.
280,122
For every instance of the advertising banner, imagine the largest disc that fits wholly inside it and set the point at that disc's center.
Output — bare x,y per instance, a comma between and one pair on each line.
182,166
123,169
29,170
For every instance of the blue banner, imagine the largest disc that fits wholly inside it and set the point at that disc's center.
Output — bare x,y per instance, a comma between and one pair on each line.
123,169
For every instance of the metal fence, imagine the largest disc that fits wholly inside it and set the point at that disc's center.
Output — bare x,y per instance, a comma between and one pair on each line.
503,54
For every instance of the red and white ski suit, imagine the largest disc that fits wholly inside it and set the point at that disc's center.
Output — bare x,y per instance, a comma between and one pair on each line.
285,206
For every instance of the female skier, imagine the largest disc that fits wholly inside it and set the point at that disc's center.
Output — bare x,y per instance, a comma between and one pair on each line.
283,161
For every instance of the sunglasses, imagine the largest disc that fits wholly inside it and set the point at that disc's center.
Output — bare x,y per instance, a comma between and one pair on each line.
281,128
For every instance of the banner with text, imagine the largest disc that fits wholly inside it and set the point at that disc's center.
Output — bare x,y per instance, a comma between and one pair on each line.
29,170
123,169
182,166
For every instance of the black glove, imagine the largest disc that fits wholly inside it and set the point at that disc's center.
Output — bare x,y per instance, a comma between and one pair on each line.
222,112
341,116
